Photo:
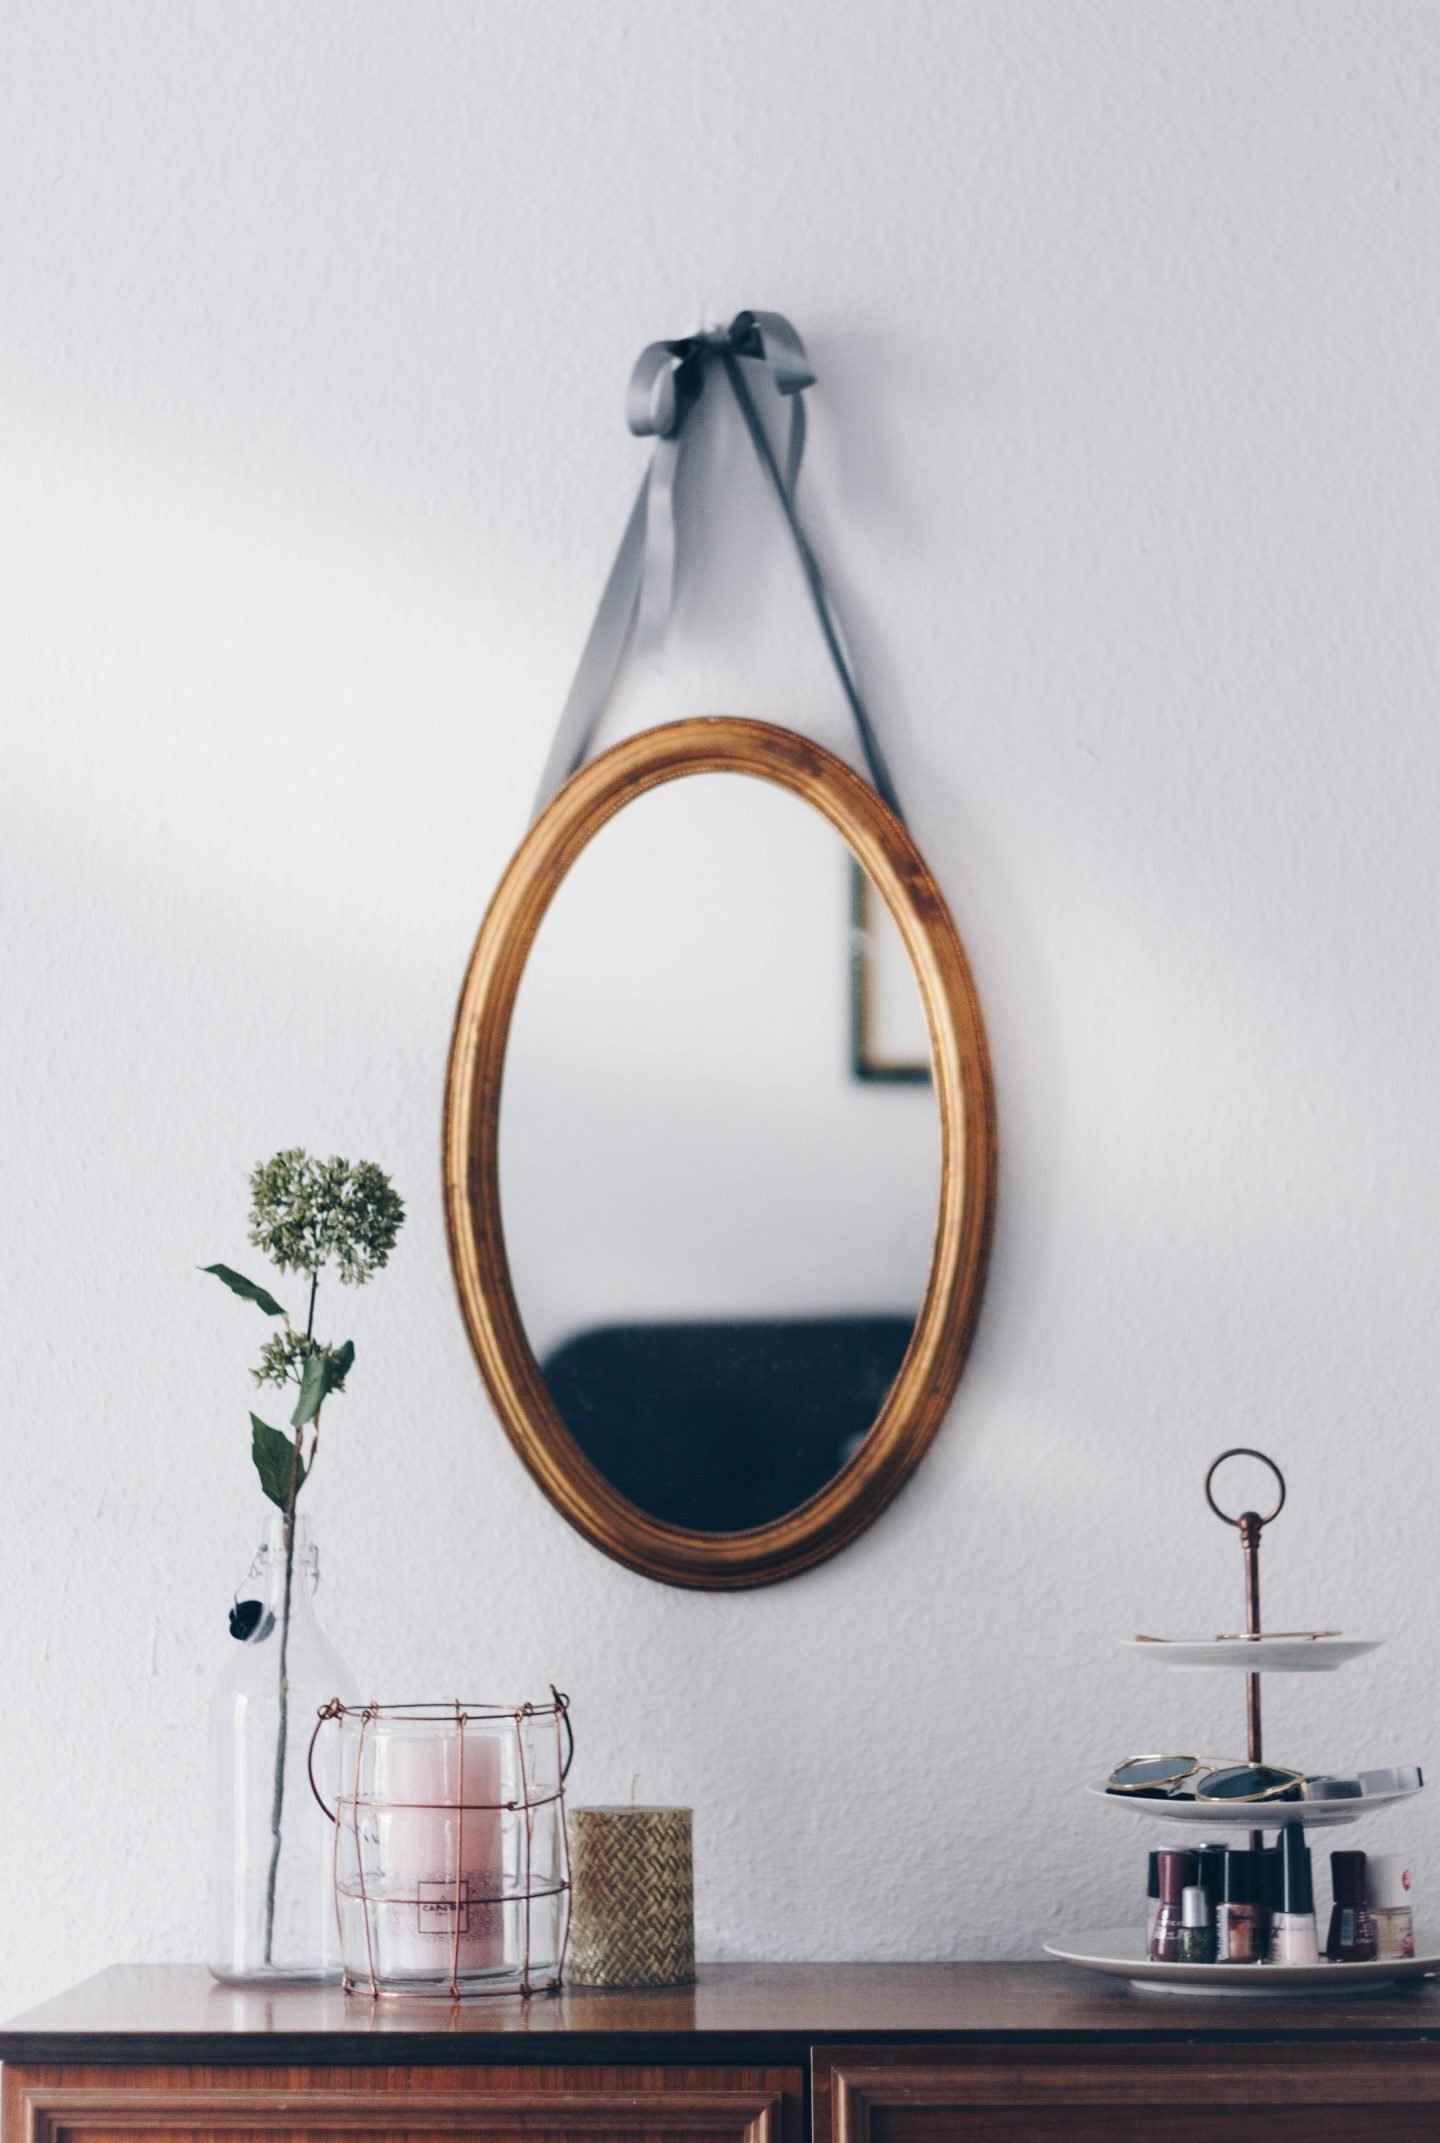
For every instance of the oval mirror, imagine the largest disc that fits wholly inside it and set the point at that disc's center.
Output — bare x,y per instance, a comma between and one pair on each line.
719,1236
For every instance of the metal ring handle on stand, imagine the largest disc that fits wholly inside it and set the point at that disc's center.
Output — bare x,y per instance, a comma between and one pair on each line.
329,1711
1244,1451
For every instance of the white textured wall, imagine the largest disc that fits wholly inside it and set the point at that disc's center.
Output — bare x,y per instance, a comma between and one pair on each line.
315,329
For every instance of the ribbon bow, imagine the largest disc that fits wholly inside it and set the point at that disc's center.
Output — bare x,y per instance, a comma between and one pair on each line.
666,384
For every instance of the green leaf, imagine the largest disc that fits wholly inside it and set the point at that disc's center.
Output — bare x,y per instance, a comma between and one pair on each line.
314,1383
239,1285
275,1462
322,1374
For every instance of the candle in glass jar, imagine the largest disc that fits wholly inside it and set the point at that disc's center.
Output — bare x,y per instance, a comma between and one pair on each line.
421,1841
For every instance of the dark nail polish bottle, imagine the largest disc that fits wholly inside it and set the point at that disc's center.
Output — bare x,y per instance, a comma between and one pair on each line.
1267,1886
1352,1930
1240,1922
1177,1874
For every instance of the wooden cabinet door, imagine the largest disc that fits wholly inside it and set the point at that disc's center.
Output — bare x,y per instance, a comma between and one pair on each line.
1152,2093
403,2105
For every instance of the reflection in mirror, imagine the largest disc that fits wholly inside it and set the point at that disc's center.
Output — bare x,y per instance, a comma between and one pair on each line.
888,1038
719,1236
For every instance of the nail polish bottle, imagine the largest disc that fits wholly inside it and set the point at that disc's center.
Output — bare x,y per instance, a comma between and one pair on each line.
1292,1925
1197,1926
1352,1930
1212,1872
1177,1874
1272,1880
1269,1892
1387,1893
1240,1922
1152,1899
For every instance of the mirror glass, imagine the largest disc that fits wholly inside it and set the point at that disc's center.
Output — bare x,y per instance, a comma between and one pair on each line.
719,1152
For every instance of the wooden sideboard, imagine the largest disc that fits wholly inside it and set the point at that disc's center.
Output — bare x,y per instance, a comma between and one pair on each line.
961,2053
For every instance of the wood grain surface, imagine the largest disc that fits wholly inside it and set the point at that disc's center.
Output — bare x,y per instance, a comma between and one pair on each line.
59,2103
733,2012
1162,2093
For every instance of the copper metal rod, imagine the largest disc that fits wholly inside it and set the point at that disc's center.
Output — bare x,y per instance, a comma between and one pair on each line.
1249,1525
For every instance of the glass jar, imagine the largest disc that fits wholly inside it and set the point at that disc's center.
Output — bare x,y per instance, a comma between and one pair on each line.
451,1873
272,1910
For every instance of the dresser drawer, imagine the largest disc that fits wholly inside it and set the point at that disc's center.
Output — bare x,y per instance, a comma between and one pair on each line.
404,2105
1153,2093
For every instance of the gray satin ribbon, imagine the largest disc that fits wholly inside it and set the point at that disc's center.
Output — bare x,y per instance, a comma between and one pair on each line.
665,386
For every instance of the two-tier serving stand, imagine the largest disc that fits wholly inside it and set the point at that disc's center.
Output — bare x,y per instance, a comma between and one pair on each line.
1121,1952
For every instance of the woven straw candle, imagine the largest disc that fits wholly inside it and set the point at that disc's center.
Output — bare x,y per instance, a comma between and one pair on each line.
632,1907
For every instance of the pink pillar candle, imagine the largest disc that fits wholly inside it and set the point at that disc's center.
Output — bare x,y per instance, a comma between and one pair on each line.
426,1838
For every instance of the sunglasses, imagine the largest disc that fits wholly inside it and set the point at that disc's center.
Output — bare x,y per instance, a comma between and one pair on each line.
1250,1636
1163,1777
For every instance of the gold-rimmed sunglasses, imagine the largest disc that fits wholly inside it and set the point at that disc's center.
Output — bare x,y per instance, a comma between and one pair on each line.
1247,1637
1207,1778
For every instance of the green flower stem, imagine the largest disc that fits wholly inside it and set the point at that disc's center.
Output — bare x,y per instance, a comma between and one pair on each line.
277,1803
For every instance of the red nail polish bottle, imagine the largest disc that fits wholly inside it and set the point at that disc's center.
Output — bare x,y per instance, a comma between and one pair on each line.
1177,1872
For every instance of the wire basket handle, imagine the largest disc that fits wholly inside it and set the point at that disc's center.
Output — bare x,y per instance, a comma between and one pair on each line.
335,1709
332,1710
562,1707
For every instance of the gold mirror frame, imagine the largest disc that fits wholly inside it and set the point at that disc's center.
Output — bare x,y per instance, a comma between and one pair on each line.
931,1368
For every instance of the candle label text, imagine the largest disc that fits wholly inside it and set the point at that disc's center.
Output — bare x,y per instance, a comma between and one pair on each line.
437,1905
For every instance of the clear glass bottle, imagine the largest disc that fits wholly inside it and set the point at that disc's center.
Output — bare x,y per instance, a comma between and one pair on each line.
272,1909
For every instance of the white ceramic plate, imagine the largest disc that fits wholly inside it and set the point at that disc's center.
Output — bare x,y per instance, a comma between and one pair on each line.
1120,1952
1254,1815
1267,1655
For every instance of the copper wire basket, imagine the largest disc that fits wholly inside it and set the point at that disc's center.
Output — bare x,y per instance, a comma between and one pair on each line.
451,1872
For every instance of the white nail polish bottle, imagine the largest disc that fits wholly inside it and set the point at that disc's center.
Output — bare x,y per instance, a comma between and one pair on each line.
1292,1925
